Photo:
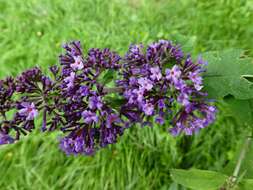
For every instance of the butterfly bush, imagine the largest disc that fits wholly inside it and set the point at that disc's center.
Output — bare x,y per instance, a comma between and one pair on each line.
91,123
159,82
156,84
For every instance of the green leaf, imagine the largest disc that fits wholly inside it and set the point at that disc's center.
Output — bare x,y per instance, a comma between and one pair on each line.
246,184
241,110
229,73
198,179
106,77
114,100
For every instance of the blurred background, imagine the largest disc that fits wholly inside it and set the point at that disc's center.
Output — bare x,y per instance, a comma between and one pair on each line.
32,32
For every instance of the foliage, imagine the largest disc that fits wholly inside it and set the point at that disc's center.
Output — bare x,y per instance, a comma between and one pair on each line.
229,73
199,179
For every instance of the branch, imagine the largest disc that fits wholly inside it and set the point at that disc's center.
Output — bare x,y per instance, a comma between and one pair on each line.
241,158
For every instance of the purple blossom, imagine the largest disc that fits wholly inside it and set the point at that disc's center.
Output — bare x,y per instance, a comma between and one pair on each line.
5,139
95,102
29,110
70,80
166,93
89,117
161,104
200,116
196,79
179,84
90,121
160,120
157,84
78,64
140,94
173,74
174,131
84,91
133,81
156,73
135,53
145,83
112,118
148,108
27,81
78,142
183,99
104,58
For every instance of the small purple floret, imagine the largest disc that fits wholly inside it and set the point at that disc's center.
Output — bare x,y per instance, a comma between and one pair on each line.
29,110
5,139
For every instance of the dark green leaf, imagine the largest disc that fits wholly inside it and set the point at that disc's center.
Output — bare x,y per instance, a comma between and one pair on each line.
114,100
106,77
198,179
240,109
228,73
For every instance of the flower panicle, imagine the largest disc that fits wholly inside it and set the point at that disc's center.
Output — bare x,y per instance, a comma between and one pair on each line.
158,84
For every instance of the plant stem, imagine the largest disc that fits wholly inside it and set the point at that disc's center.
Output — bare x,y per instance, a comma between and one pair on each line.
241,158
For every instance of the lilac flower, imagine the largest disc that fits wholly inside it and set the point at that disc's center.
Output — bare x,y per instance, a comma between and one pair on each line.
29,110
70,80
179,84
167,93
90,121
95,102
78,64
7,89
27,81
112,118
173,74
145,83
159,120
78,142
5,139
78,103
104,58
200,116
174,131
135,53
183,99
140,94
161,104
133,81
84,91
158,52
89,117
148,108
156,73
196,79
54,69
109,134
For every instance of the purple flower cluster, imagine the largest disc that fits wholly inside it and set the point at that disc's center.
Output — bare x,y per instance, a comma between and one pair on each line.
90,121
7,89
25,95
160,83
157,84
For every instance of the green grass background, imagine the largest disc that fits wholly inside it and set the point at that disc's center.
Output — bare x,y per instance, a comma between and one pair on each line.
31,33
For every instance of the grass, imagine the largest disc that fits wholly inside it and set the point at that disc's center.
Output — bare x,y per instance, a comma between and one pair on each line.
31,33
